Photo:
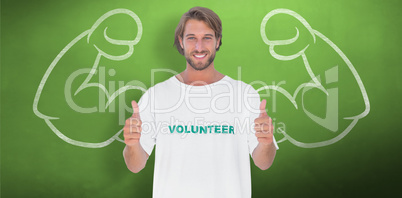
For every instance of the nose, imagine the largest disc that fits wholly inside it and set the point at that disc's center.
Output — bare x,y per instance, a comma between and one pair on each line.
198,45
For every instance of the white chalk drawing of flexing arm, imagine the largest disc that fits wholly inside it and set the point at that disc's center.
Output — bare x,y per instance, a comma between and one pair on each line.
110,96
315,81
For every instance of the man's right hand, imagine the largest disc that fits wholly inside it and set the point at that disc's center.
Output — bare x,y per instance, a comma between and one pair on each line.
132,129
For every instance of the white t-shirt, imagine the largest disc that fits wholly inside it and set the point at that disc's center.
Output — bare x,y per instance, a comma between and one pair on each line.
203,136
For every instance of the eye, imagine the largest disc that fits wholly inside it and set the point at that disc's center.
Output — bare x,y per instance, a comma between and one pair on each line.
190,38
208,38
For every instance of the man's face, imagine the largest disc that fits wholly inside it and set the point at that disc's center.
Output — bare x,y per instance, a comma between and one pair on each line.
199,44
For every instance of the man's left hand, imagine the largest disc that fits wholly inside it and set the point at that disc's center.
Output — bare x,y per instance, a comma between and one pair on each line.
263,126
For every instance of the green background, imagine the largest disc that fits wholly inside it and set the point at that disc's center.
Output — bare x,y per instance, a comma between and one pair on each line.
37,163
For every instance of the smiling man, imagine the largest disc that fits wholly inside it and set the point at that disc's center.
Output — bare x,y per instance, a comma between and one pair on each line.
205,125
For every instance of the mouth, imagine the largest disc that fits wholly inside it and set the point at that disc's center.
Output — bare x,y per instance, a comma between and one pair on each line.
200,56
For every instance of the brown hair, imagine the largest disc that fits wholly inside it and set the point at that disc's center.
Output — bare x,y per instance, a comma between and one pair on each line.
201,14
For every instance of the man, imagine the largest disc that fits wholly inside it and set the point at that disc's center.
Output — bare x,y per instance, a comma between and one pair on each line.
204,124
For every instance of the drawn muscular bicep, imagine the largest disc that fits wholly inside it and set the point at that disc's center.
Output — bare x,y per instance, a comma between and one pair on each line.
327,74
74,90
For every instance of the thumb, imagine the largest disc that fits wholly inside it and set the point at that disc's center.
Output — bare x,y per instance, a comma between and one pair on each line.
262,108
136,110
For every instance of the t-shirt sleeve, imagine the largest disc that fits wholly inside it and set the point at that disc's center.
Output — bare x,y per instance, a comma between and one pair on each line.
148,133
253,102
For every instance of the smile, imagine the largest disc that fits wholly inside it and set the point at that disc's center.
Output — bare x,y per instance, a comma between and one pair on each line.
200,56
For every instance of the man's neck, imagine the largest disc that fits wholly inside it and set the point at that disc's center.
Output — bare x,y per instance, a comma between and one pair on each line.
199,77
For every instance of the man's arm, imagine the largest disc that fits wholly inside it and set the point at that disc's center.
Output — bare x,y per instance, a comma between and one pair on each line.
134,155
264,154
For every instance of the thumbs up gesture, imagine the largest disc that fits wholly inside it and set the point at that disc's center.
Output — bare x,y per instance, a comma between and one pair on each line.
132,128
263,126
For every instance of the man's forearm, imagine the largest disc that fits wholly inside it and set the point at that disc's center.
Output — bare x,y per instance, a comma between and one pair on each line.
135,157
263,155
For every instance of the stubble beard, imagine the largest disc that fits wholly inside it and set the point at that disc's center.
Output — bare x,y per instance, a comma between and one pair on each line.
199,66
